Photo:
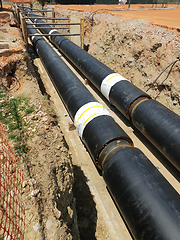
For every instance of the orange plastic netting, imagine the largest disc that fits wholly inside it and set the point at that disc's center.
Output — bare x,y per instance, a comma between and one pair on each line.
12,211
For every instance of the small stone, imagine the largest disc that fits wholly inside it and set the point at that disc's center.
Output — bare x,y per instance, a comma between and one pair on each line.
44,119
36,227
35,192
24,184
32,181
58,147
57,213
49,223
47,127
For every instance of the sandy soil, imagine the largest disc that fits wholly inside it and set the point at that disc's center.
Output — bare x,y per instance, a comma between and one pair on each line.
165,17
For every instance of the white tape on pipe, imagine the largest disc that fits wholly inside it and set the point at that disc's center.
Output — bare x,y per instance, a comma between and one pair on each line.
110,81
51,31
34,36
87,113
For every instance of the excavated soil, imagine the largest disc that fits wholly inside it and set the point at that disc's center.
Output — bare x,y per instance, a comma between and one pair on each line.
50,211
138,49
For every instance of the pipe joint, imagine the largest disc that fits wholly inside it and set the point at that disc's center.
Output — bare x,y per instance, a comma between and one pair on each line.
110,148
134,105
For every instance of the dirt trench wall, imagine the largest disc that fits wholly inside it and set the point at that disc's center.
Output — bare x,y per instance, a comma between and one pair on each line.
50,208
137,50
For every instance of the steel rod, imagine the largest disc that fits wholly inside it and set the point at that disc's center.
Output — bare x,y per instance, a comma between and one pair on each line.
36,24
38,35
47,18
49,28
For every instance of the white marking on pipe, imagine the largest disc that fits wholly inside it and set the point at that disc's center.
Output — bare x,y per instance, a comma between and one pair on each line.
87,113
51,31
34,36
109,81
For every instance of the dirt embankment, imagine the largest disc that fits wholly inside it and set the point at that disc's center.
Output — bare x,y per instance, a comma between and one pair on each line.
137,50
48,172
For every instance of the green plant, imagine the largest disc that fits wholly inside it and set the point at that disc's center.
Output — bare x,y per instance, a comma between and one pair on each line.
11,111
29,110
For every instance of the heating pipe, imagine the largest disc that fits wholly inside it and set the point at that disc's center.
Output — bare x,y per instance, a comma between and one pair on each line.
147,202
156,122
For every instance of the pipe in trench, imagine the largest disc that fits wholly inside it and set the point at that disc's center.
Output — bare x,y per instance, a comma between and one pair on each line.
148,203
156,122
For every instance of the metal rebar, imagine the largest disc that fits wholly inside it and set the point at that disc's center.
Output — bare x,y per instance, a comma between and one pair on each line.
48,28
53,24
39,35
47,18
40,11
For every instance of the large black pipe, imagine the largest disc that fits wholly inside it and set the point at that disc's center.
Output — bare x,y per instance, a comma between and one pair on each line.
122,94
147,202
144,196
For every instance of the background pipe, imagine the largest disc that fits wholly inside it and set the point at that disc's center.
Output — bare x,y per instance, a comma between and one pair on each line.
80,103
122,94
147,202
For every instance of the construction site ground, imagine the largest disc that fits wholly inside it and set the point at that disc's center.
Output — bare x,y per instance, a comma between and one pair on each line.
73,201
168,17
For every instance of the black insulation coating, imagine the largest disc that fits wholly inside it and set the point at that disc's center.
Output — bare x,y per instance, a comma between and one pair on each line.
100,130
146,200
87,64
112,146
123,94
96,140
161,126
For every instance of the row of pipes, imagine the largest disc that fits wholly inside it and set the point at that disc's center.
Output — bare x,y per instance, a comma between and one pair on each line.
149,205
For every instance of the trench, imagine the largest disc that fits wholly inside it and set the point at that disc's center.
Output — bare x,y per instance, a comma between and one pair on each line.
80,183
104,148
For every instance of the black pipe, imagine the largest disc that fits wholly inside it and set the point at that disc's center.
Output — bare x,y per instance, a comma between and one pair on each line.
145,198
97,128
122,95
147,202
152,118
